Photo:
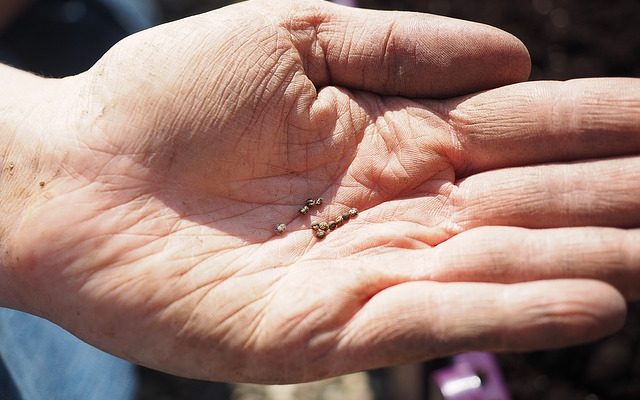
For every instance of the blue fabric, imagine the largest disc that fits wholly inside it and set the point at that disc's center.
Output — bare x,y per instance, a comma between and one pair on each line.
134,15
41,361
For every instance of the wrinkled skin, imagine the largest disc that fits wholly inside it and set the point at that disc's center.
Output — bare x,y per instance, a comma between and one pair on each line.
153,237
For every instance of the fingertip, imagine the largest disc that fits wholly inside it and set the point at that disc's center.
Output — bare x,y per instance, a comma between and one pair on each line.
521,60
502,58
470,57
516,57
562,313
610,308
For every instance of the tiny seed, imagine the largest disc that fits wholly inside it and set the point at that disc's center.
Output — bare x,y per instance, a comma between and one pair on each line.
339,220
321,234
323,226
319,201
315,226
353,212
310,203
304,210
280,228
346,217
42,184
332,225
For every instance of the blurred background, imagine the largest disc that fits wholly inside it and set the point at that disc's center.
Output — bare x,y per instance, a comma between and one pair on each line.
566,38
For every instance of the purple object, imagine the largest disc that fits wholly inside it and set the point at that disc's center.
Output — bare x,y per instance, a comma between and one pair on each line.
471,376
350,3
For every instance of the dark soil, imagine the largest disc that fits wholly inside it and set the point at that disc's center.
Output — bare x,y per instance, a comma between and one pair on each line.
567,39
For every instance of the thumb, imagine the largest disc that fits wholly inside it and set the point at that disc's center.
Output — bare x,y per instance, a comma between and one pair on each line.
403,53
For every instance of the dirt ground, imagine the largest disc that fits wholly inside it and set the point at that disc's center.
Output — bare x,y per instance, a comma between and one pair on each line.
567,39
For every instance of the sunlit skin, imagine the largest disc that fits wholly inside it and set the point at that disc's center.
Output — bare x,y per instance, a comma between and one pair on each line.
142,195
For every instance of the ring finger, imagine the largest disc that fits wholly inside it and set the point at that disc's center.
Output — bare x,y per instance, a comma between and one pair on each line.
594,193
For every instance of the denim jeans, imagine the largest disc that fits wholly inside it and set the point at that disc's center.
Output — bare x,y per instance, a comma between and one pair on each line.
39,360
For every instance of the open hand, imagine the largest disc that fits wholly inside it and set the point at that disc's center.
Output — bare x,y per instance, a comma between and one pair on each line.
152,235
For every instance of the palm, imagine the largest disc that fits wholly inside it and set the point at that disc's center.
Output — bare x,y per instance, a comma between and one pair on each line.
172,191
